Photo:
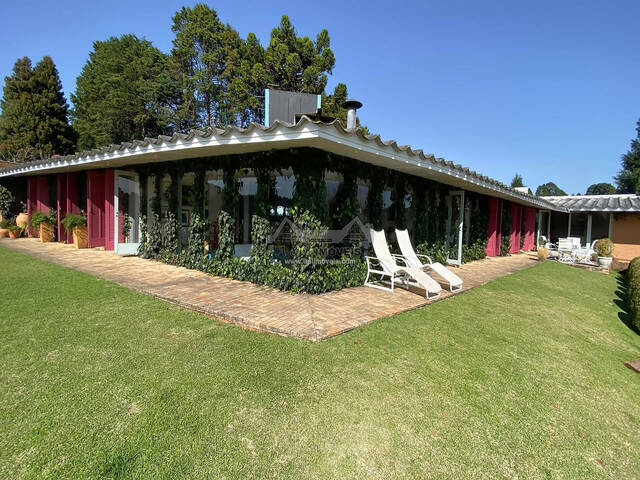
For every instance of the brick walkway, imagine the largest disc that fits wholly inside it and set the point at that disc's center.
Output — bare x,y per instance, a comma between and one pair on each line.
313,317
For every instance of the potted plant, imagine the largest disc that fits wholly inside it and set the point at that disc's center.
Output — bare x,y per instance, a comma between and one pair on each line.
543,253
4,228
77,225
22,220
14,231
44,224
604,249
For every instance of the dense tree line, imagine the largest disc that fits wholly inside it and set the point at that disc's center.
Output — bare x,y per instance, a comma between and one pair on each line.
128,89
34,123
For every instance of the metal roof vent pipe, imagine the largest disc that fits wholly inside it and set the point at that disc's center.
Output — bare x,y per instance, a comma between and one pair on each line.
351,105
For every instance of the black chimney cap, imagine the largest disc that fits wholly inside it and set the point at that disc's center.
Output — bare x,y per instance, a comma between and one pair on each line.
352,103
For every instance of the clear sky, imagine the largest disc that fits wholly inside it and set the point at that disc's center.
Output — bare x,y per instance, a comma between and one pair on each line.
549,89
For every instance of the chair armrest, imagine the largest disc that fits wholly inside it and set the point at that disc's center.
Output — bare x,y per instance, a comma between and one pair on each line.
402,258
424,256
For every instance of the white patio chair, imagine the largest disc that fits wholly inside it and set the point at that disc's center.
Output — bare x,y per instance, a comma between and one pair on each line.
411,258
584,255
546,243
566,250
384,265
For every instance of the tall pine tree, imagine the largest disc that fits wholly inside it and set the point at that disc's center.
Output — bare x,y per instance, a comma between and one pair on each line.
17,123
125,92
53,133
628,179
34,122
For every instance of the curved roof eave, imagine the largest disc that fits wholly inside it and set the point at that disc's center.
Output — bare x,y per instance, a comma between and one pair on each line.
332,137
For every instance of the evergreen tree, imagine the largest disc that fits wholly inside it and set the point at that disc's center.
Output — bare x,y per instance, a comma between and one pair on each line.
200,54
17,124
125,92
517,181
224,76
628,179
53,133
549,189
601,189
34,122
297,63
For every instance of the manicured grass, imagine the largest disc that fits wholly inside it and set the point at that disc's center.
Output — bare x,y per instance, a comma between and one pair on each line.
522,378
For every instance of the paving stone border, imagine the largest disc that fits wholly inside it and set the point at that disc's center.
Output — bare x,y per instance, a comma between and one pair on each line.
312,317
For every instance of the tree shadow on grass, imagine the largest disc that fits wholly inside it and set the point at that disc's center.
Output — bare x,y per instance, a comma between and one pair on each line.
622,301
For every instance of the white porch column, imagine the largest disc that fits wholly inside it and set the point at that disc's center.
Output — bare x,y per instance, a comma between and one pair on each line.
589,220
569,226
610,224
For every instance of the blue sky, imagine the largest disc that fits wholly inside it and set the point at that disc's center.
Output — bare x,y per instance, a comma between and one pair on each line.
548,89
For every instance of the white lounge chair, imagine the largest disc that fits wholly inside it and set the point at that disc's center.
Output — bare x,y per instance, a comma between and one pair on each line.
413,259
384,265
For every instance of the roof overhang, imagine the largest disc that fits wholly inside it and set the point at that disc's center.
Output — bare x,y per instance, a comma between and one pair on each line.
331,137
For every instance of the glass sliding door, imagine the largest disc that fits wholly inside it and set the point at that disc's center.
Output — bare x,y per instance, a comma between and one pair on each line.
127,213
455,226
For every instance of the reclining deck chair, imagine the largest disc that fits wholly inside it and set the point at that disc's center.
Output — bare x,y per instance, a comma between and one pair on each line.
412,259
384,265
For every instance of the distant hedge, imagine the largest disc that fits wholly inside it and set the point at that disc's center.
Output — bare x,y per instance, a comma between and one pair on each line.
633,291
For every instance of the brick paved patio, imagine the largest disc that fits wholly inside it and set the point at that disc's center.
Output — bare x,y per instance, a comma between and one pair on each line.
313,317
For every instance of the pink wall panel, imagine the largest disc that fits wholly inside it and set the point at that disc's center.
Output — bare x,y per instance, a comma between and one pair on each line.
95,209
42,194
494,236
516,227
529,228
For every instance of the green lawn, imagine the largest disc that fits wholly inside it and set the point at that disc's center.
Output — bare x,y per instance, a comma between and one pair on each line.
521,378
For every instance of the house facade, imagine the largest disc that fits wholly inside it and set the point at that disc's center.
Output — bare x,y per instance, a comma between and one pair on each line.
381,182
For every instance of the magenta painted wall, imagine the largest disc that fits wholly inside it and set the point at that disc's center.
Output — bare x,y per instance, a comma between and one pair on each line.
42,194
494,227
95,209
516,227
529,228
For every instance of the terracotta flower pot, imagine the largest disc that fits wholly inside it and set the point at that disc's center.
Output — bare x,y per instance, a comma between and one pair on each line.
80,237
46,232
4,232
13,234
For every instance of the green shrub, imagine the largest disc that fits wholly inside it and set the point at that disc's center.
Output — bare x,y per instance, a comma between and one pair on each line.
40,217
170,232
226,236
6,201
633,292
73,220
474,251
5,223
195,249
437,251
604,247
